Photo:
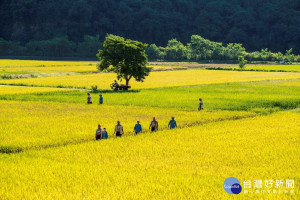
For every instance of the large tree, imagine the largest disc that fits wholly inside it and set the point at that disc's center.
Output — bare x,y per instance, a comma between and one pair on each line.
127,58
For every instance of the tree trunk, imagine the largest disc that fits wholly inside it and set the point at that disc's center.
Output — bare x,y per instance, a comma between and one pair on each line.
127,79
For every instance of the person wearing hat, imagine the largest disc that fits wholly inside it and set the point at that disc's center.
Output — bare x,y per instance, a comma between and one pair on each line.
172,123
100,99
89,98
138,128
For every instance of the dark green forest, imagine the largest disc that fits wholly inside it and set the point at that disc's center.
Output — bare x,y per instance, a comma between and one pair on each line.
75,28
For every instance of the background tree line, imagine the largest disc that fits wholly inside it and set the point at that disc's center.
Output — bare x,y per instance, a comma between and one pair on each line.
200,48
34,24
55,48
197,49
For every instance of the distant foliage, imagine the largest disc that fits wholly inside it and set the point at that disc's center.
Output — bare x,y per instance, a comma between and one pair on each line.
94,88
256,24
56,47
175,50
153,52
242,62
89,47
200,48
6,76
197,49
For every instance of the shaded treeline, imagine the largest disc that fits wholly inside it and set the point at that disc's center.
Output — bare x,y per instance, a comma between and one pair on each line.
35,27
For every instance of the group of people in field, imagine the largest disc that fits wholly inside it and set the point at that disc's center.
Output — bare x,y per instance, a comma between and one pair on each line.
119,131
89,99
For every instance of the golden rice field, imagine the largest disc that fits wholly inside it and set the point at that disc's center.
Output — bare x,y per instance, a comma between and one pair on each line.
43,71
190,163
9,90
43,124
50,69
155,80
41,63
290,68
291,83
249,129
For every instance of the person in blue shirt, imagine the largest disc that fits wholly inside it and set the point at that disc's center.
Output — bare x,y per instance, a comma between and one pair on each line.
104,134
100,99
138,128
172,123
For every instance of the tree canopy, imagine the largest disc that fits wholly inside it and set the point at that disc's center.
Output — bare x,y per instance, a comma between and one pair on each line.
127,58
201,49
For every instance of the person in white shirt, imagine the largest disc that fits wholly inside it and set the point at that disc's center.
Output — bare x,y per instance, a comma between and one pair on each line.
119,129
99,133
115,84
153,125
89,98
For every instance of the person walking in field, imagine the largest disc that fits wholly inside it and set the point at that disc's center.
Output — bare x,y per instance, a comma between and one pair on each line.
153,125
99,132
104,134
100,99
89,98
200,105
119,129
172,123
138,128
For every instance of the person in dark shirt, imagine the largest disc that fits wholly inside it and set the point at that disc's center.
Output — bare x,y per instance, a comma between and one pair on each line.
200,104
153,125
100,99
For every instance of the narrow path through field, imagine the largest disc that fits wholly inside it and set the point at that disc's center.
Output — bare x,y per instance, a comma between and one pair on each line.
126,134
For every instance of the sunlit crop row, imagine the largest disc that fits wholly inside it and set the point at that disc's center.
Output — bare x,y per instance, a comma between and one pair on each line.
263,95
189,163
42,71
8,90
25,63
292,83
49,69
156,79
288,68
40,124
